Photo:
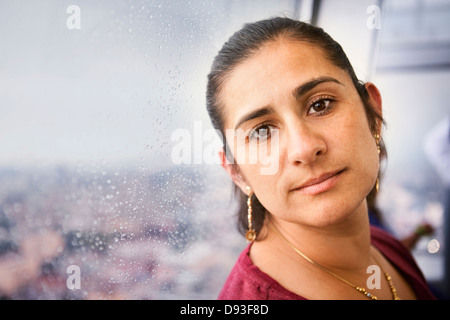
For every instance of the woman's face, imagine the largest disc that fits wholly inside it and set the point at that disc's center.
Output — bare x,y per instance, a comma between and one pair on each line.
302,116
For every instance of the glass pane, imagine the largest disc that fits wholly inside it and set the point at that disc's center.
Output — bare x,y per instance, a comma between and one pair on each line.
92,203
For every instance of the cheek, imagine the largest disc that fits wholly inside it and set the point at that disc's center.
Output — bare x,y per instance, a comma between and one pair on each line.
265,186
359,147
261,158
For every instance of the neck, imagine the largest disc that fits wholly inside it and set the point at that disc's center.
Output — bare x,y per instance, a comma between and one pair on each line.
343,246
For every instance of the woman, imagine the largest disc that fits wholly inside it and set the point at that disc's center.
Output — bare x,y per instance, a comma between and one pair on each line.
286,87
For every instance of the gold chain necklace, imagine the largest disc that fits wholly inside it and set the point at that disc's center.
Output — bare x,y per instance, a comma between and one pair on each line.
359,289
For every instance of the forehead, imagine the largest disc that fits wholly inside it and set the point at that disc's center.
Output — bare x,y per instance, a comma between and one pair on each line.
282,53
273,72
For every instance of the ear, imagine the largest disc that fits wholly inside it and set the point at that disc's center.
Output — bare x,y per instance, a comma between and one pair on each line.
233,173
375,101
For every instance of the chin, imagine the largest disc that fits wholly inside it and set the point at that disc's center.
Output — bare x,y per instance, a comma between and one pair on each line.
327,220
330,213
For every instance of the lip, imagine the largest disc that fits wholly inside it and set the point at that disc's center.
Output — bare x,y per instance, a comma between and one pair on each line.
320,184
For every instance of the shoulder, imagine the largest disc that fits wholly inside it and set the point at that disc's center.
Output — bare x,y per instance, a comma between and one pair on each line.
383,240
247,282
242,282
393,249
402,259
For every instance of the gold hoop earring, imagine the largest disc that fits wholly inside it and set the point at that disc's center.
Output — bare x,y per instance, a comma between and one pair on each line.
250,235
377,140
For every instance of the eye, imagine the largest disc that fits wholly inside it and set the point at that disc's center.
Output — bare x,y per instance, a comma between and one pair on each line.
262,132
321,106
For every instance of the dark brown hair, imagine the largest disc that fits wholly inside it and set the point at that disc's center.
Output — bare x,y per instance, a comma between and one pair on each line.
241,46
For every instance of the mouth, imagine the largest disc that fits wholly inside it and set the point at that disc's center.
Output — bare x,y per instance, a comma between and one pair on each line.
322,183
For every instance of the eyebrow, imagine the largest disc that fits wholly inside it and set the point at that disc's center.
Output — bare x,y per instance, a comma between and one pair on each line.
308,86
297,92
264,111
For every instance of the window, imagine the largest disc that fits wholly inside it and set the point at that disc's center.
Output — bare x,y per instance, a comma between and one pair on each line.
91,204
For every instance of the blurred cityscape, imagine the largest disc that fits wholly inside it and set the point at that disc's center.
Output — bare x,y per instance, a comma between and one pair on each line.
169,234
133,235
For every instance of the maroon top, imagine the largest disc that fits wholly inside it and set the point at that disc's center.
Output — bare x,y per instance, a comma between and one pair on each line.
247,282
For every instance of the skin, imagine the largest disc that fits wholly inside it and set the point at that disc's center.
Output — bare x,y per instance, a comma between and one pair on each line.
320,133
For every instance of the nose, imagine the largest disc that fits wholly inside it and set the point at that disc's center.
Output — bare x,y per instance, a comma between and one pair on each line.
304,145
